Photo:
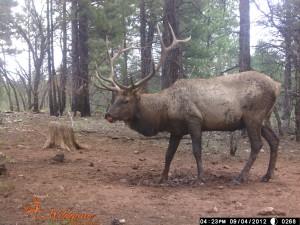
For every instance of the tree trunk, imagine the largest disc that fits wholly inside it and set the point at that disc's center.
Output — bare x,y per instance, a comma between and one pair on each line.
43,98
63,75
83,52
61,136
36,84
172,69
75,55
29,89
296,63
126,80
37,45
297,111
297,108
244,36
7,89
244,60
16,95
54,81
51,68
50,79
147,37
287,108
23,101
80,98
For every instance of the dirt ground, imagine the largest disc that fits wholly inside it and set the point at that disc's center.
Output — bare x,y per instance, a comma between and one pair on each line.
116,177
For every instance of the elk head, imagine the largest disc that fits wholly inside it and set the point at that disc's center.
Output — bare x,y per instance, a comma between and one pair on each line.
125,105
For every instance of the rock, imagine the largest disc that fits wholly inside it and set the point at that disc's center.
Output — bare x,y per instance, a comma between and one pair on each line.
117,221
176,180
136,152
21,146
213,210
279,213
2,169
145,182
226,167
266,211
238,205
271,211
220,187
124,181
135,167
59,158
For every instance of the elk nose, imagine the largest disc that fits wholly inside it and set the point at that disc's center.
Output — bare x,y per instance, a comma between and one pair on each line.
109,118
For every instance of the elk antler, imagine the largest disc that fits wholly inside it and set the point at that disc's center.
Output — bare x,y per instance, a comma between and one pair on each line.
165,51
112,79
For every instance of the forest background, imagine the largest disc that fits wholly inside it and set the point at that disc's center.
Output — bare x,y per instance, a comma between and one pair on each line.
48,50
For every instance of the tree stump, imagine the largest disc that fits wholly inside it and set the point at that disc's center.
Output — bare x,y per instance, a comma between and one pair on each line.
61,136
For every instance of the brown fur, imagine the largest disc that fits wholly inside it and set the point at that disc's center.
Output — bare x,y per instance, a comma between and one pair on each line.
191,106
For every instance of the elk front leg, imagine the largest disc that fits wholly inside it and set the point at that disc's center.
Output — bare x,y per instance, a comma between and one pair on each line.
173,145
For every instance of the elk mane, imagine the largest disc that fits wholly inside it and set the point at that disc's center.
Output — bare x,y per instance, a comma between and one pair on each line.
145,121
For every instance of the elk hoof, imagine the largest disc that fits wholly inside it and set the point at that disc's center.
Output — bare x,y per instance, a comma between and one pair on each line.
236,182
198,183
265,178
163,180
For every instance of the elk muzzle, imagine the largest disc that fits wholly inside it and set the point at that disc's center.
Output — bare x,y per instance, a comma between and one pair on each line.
109,118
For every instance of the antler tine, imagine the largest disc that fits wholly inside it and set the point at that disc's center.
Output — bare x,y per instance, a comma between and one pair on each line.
112,77
165,51
104,87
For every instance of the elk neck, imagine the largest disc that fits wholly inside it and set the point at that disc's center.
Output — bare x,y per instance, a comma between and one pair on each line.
151,114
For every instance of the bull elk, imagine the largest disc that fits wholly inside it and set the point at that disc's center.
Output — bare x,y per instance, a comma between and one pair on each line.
191,106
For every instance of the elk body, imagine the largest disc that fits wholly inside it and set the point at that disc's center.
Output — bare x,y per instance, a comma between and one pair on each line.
191,106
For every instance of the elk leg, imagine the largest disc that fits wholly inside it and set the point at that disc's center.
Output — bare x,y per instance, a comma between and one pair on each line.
196,135
254,133
273,142
173,145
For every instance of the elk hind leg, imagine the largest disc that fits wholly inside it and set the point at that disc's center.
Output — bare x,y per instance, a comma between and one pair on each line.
273,142
254,133
196,135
